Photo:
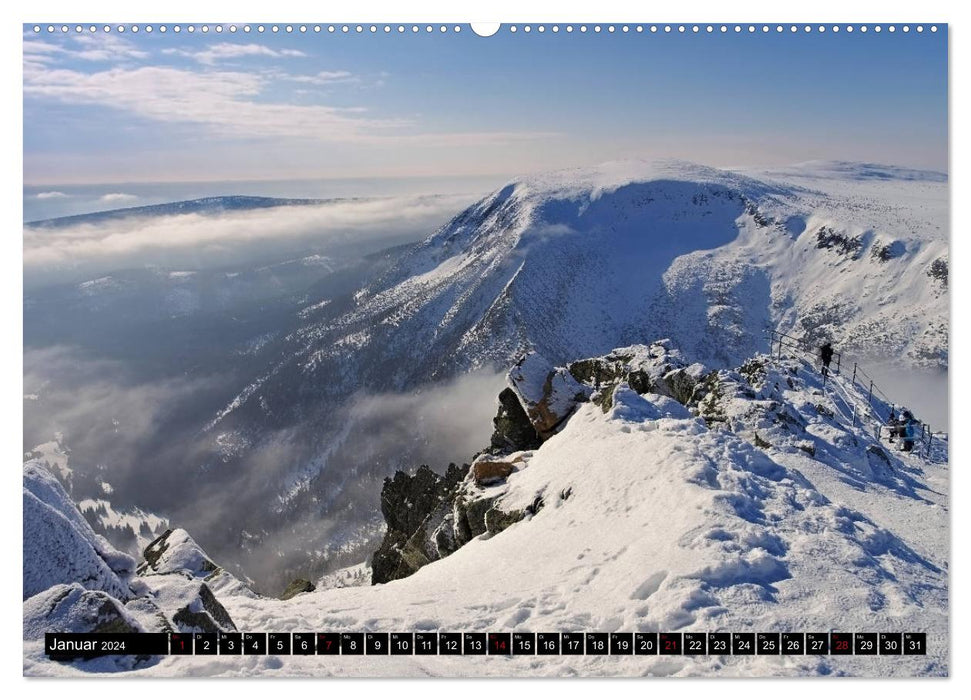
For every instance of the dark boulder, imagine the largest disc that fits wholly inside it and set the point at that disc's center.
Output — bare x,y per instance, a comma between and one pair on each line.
296,587
513,429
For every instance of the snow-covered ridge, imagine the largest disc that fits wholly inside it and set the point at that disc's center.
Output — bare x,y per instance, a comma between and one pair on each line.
60,546
576,261
757,505
608,177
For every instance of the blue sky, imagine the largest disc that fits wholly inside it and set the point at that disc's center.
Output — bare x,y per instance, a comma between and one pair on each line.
103,108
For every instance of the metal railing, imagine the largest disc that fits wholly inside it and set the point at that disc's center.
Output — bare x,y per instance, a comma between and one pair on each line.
859,379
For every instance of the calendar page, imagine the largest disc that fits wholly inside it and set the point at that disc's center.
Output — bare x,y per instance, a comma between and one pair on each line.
517,350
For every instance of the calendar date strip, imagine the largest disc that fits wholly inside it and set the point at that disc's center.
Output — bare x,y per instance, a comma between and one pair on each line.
69,646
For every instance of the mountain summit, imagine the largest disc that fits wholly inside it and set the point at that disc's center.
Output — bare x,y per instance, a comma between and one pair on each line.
575,262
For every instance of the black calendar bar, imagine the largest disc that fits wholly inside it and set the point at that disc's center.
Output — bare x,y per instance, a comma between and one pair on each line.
66,647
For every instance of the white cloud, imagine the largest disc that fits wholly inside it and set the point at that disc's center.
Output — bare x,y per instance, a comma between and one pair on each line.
50,195
228,51
324,77
117,197
229,104
87,47
41,51
195,241
105,47
218,99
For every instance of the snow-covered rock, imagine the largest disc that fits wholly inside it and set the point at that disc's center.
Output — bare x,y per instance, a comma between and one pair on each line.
548,396
59,545
75,581
175,552
73,608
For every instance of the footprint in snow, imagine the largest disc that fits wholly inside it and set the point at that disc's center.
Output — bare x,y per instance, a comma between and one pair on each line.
649,586
517,618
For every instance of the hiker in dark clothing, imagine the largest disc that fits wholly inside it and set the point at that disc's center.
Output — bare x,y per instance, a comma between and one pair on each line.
826,352
908,431
893,423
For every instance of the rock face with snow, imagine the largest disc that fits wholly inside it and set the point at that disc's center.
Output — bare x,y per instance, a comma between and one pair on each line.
513,428
75,581
59,545
175,552
547,396
414,506
73,608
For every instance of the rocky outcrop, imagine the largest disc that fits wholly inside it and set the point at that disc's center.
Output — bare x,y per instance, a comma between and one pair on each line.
885,251
513,429
430,516
414,507
73,608
296,587
658,369
547,394
59,546
203,615
487,471
842,244
75,581
175,552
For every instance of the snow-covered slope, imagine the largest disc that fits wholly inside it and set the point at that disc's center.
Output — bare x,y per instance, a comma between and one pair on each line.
750,504
60,546
655,518
575,262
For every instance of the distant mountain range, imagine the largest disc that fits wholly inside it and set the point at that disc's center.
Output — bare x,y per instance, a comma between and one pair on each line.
205,205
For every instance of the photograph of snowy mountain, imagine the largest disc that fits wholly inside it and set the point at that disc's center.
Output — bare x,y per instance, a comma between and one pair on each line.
560,345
